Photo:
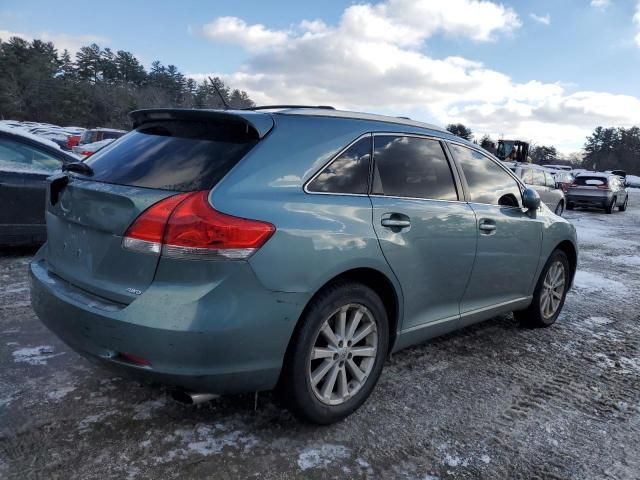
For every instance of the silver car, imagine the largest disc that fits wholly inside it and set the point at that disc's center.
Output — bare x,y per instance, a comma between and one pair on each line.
602,190
542,181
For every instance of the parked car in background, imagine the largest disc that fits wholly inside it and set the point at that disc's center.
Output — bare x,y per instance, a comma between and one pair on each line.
566,168
97,134
601,190
72,141
26,160
543,182
563,179
236,251
91,148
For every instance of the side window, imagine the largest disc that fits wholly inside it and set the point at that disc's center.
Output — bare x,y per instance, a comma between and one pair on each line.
527,176
411,167
19,157
349,173
487,182
538,178
549,180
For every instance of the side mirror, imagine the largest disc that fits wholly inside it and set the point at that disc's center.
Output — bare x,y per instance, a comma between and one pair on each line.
530,199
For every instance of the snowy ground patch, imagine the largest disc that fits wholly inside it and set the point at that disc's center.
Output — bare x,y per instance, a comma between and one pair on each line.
35,355
592,282
322,456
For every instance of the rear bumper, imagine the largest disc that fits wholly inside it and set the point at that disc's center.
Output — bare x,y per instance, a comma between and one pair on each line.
601,201
210,341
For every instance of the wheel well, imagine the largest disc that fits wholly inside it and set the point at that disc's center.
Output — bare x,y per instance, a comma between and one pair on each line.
570,251
379,283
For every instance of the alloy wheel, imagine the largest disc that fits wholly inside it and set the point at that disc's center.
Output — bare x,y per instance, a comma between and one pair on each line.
343,354
552,289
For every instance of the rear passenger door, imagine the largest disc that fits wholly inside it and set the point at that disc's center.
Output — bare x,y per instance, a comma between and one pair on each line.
427,234
509,240
540,184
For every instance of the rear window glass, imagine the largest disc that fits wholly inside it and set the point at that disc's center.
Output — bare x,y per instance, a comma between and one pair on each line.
590,181
349,173
173,155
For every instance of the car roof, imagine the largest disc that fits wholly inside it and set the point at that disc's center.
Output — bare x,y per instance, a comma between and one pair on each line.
533,166
100,129
324,112
596,174
36,140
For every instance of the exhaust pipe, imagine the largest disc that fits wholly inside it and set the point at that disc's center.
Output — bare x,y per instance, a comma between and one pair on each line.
192,398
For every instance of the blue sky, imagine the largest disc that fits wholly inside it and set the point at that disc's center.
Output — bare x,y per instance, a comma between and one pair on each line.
583,48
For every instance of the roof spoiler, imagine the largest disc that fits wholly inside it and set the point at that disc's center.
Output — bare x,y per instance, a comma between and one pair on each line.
260,123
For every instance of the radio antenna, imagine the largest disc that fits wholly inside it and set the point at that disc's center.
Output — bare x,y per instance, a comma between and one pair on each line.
224,102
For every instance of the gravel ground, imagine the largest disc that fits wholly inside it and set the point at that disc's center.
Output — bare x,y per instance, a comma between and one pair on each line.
490,401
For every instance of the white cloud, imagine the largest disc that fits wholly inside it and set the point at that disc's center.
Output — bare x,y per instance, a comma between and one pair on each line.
600,3
61,41
236,30
374,59
544,19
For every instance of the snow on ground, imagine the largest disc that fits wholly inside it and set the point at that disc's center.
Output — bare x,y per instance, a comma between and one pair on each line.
321,456
35,355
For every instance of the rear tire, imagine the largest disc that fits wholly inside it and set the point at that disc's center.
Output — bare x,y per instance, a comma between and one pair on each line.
559,208
550,293
609,208
623,207
569,206
327,397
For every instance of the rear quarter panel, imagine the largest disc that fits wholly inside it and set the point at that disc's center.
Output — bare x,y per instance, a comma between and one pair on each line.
317,236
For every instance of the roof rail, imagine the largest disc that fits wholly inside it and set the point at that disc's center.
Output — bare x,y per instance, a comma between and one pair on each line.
269,107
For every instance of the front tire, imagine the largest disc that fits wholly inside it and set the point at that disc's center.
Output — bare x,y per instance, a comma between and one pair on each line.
550,293
336,354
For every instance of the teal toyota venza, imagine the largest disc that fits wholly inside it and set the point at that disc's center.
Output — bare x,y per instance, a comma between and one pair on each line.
290,248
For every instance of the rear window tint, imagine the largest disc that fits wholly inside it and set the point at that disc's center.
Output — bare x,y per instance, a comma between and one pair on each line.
173,155
590,181
349,173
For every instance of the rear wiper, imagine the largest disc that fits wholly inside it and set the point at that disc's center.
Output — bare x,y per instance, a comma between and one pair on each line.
79,167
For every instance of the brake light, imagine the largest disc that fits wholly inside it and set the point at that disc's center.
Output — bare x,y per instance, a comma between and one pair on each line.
146,233
186,226
604,187
86,153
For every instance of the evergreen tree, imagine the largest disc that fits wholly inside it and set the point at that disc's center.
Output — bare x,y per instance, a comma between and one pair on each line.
460,130
99,88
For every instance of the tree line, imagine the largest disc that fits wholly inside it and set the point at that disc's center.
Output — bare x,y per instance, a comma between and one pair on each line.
605,149
99,87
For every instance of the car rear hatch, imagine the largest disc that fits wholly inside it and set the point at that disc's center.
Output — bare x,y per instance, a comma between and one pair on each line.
168,153
589,186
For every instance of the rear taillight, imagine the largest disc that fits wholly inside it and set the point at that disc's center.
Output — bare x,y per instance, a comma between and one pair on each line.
86,153
146,233
186,226
604,187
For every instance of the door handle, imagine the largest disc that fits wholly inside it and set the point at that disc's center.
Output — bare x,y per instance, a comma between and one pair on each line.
487,226
395,223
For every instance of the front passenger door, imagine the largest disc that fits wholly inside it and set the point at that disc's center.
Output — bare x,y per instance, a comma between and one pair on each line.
509,240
